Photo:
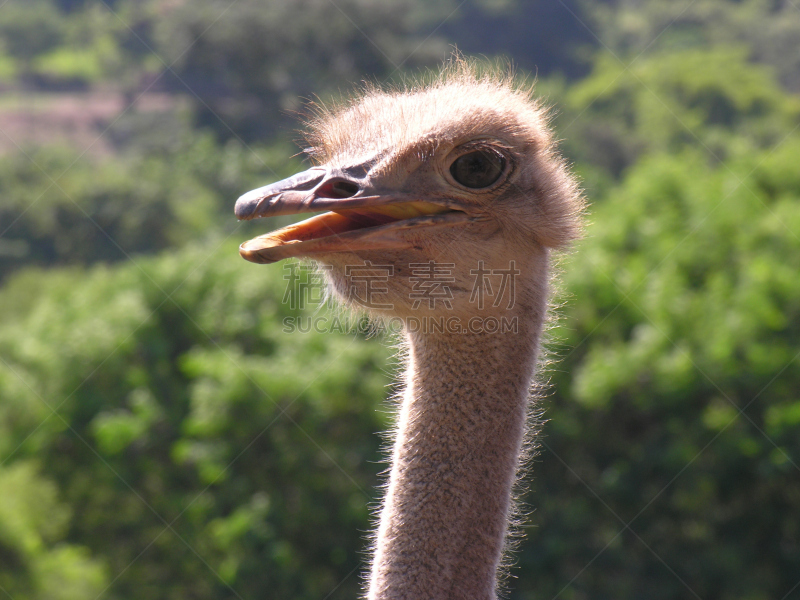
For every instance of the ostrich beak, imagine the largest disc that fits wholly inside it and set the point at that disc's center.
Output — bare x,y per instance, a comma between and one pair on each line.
362,216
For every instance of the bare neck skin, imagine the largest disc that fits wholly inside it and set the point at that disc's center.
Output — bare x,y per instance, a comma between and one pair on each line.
460,432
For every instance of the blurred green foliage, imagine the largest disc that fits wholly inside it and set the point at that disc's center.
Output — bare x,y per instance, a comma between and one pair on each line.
711,98
36,562
75,48
220,56
193,439
677,395
163,191
769,29
162,435
30,29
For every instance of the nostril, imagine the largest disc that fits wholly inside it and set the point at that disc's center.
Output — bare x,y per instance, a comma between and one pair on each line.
337,188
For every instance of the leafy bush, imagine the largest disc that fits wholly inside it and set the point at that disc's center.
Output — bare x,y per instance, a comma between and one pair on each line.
201,447
59,209
675,407
713,99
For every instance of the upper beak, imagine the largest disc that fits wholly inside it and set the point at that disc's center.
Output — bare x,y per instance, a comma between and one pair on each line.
363,217
310,191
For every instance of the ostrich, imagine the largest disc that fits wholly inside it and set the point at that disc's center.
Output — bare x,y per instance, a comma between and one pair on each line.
450,195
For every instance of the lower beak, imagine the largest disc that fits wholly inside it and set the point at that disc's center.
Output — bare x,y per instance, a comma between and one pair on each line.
361,217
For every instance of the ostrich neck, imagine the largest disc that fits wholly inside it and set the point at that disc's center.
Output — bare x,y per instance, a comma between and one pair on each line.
460,431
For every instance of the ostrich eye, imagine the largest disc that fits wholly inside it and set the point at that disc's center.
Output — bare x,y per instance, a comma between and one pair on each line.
477,169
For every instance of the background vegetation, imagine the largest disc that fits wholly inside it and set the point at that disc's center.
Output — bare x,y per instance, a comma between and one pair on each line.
162,436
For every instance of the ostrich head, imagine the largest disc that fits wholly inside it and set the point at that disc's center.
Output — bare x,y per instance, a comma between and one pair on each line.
457,175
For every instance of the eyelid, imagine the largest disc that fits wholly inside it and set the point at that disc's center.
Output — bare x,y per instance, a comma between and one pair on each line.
486,145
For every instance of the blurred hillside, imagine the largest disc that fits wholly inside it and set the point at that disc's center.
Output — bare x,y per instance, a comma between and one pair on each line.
163,436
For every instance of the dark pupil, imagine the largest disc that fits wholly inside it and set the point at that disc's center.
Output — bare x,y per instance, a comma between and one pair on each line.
477,169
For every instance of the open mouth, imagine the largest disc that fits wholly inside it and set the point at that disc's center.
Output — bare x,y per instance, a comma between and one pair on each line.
346,230
356,221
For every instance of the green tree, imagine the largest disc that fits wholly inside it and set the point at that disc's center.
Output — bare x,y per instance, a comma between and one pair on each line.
250,63
201,447
35,562
675,407
167,187
29,29
712,99
769,30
